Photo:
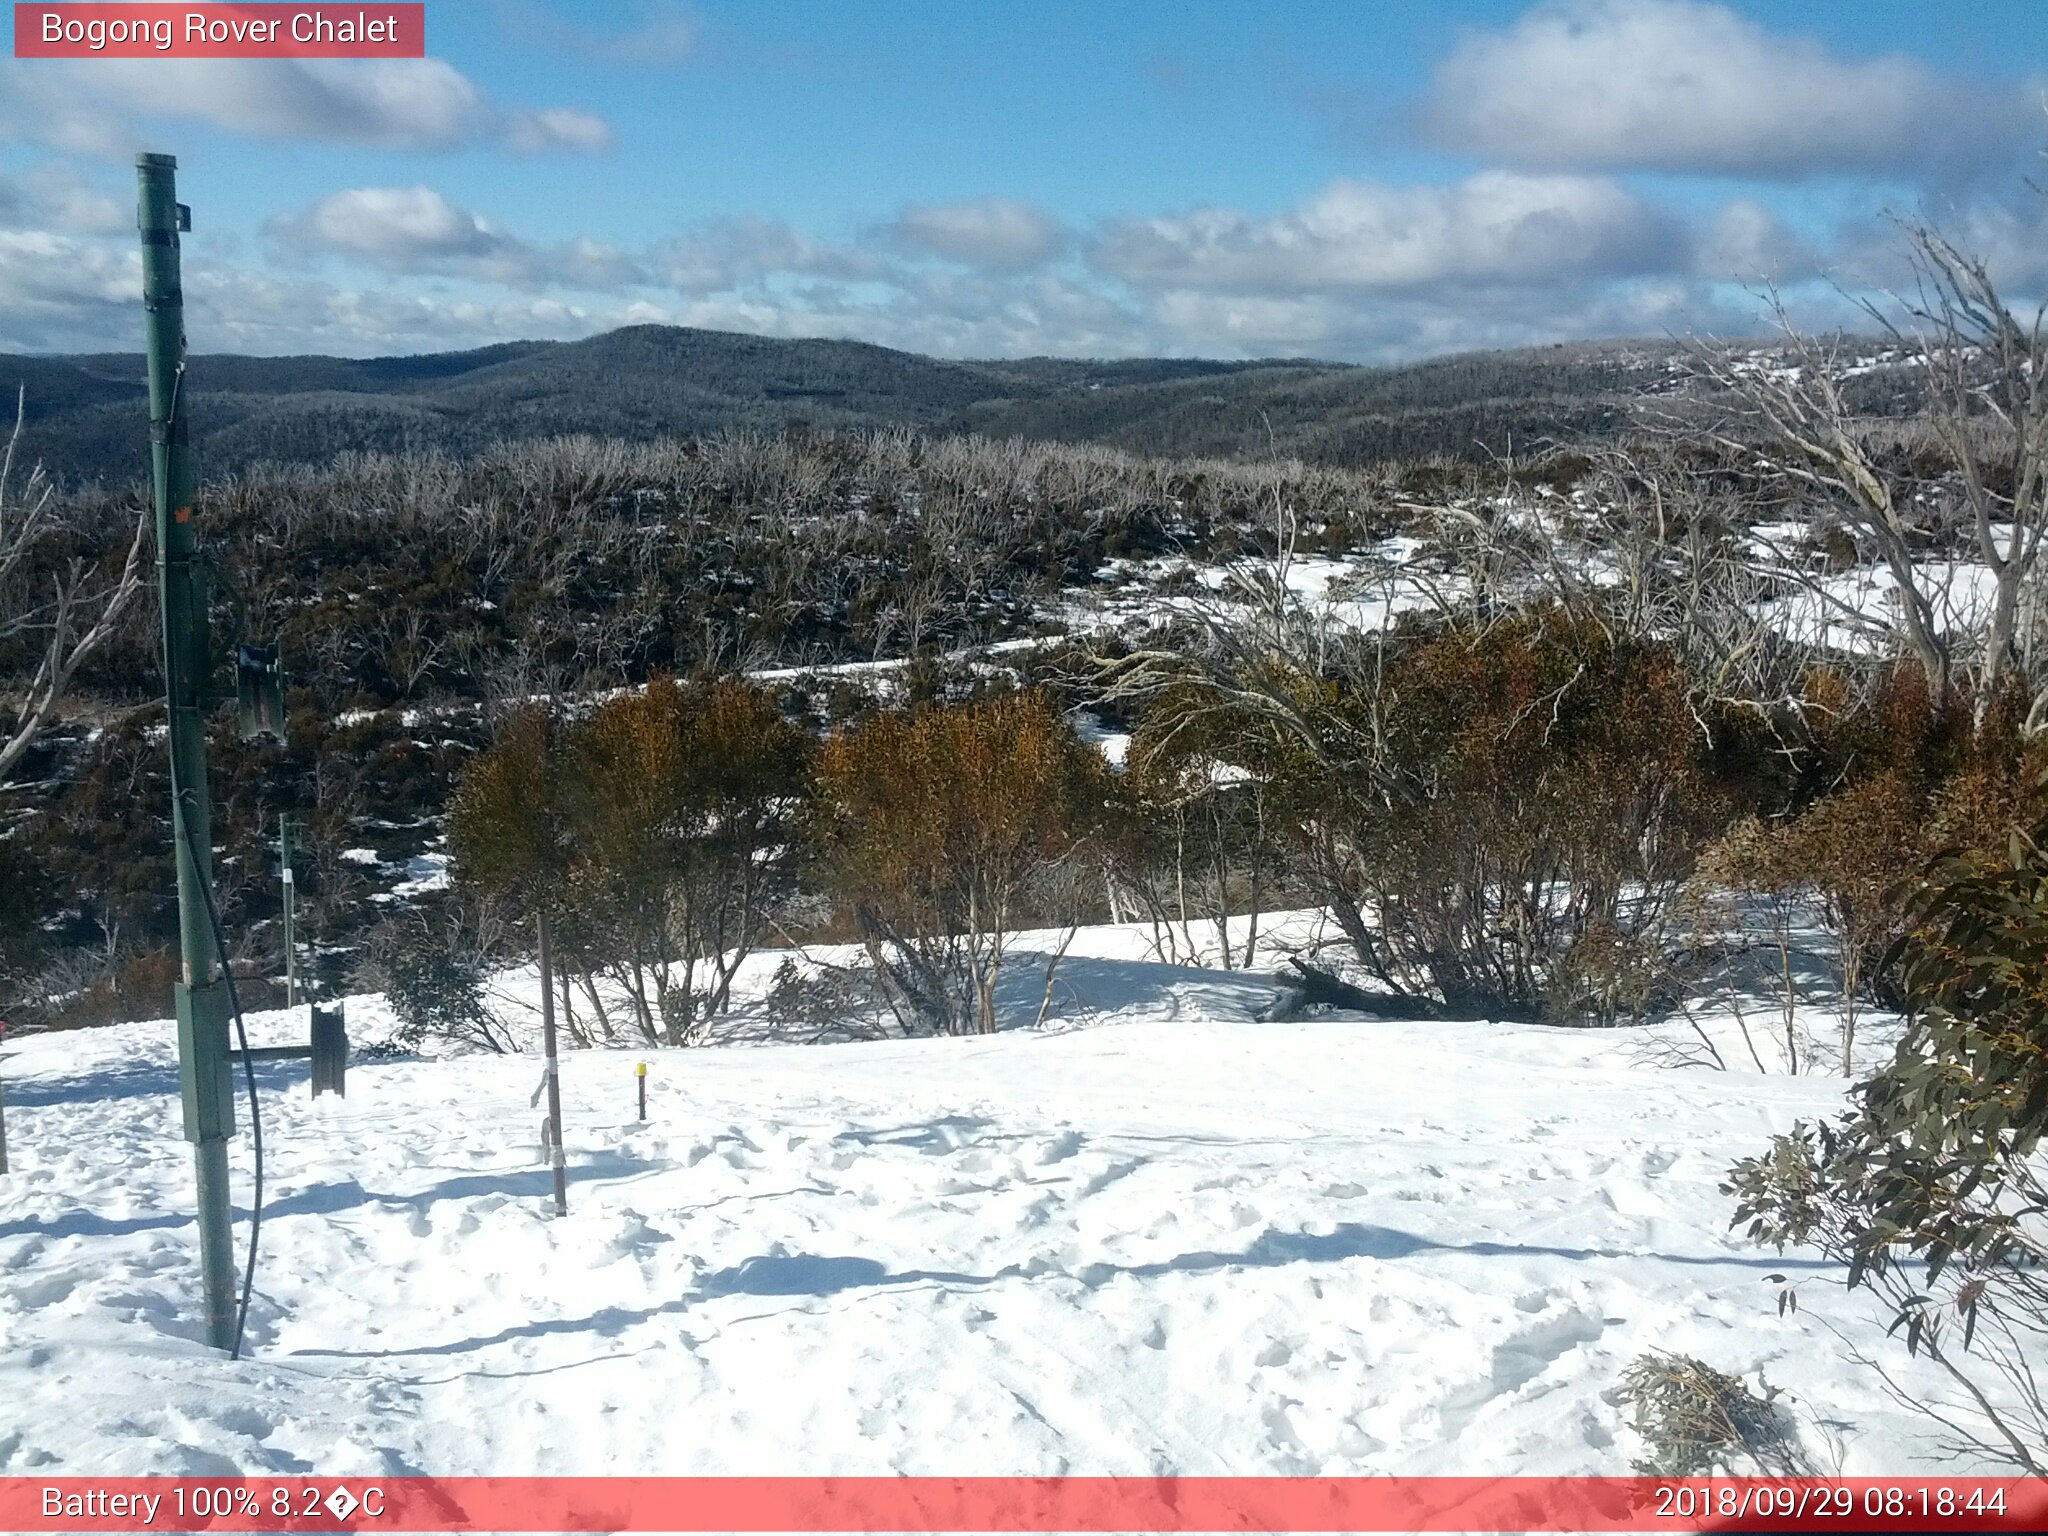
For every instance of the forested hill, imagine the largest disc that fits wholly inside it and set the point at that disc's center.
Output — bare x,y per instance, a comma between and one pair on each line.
86,412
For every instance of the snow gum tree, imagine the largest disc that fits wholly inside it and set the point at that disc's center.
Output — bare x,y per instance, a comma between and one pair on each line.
1980,367
57,607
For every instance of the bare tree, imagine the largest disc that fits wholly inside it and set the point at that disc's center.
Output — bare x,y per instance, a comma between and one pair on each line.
1984,401
80,612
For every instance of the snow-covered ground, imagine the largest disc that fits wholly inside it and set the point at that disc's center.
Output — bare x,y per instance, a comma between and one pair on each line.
1165,1236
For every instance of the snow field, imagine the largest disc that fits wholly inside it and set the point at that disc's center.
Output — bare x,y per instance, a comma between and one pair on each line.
1178,1240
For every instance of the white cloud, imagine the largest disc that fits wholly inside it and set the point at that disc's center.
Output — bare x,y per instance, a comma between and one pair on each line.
1360,270
1681,85
1745,242
233,311
1495,227
67,294
416,229
57,291
399,226
53,198
2008,234
557,128
998,232
106,106
731,253
2012,238
1388,326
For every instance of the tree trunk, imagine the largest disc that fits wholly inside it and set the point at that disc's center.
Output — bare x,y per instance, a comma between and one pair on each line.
554,1071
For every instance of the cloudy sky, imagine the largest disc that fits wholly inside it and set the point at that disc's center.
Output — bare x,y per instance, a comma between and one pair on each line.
1350,180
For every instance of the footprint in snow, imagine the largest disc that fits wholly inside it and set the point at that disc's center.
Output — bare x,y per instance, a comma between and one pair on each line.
1059,1148
1097,1182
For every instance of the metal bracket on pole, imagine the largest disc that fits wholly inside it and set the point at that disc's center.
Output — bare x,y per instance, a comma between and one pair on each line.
208,1086
259,690
330,1051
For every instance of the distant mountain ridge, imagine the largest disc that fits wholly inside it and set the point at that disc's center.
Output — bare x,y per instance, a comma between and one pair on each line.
86,412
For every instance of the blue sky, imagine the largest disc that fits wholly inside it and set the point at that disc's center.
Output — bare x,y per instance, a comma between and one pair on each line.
1362,181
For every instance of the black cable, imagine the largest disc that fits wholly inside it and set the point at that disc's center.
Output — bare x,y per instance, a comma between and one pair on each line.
227,971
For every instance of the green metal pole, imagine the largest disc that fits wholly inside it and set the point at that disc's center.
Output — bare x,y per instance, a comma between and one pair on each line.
291,953
208,1090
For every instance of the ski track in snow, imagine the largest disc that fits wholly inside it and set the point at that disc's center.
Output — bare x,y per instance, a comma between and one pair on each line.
1177,1241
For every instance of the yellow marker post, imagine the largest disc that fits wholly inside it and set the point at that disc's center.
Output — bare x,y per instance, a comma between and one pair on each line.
641,1073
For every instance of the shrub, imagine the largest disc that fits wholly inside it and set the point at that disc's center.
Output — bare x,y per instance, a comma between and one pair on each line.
1915,775
1525,804
942,831
1205,805
435,990
681,806
23,889
79,988
1933,1189
656,836
1846,857
505,824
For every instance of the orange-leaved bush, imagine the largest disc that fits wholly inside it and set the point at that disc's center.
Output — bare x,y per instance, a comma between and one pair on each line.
942,831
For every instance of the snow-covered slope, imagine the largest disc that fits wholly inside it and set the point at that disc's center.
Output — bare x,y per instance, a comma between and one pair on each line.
1178,1240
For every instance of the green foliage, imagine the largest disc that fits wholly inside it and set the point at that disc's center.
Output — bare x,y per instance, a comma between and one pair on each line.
1969,1088
434,989
1933,1190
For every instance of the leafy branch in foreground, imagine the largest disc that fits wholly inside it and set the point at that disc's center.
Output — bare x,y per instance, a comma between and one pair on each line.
1933,1190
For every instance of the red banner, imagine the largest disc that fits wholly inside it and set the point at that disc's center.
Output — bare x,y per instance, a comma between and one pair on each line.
220,31
1088,1504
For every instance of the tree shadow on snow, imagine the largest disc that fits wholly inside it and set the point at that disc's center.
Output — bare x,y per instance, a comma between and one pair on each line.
947,1133
340,1195
819,1276
135,1080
